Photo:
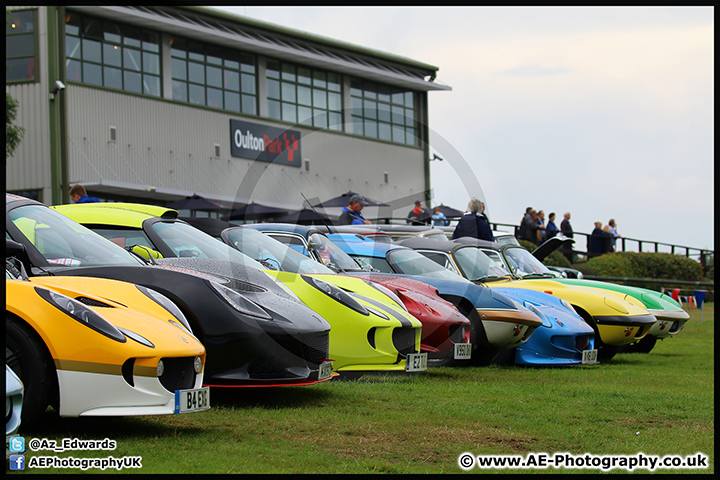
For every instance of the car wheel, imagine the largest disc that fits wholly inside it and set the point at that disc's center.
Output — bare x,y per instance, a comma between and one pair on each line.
27,356
645,344
505,357
606,352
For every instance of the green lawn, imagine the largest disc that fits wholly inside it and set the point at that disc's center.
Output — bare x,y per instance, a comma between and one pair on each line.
661,403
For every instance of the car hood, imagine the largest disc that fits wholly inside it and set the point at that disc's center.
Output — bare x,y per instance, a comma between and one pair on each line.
251,283
550,245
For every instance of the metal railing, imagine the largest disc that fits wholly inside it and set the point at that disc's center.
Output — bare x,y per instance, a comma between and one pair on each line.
704,256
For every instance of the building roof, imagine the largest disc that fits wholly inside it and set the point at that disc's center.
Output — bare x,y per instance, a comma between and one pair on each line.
240,32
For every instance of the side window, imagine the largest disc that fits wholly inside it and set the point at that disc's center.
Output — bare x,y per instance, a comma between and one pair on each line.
296,243
379,264
21,46
125,237
441,259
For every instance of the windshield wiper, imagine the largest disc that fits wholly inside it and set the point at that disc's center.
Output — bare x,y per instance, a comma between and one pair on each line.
492,278
537,275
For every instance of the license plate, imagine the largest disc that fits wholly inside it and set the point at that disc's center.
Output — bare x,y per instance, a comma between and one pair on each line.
589,357
463,351
193,400
325,371
416,362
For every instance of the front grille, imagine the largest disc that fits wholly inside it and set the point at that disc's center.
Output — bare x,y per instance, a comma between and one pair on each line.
582,342
457,333
91,302
269,366
179,373
403,339
316,348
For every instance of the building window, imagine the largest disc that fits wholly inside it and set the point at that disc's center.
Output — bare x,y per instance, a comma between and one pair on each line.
113,55
210,75
383,112
304,95
20,48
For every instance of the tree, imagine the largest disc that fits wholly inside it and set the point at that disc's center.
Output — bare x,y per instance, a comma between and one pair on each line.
13,133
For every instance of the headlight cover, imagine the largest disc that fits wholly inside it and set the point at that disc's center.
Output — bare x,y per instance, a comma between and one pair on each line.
82,314
167,304
336,293
239,302
388,292
567,305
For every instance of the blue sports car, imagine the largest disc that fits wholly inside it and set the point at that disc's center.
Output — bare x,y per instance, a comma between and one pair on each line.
563,339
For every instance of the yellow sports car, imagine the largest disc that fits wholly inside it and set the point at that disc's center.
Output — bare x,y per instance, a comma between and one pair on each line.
371,330
96,347
617,319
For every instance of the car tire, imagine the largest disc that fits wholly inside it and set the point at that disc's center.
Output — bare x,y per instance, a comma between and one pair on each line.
505,357
606,352
27,356
645,345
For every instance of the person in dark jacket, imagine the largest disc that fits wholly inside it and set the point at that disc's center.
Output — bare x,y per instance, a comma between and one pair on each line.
474,223
79,195
418,215
599,241
551,229
567,230
351,212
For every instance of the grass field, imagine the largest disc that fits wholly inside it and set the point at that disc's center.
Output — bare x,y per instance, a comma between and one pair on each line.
661,403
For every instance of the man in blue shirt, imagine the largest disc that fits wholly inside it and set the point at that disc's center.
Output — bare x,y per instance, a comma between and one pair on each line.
351,212
79,195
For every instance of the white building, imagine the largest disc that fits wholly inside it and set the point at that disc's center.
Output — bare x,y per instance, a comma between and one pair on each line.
152,104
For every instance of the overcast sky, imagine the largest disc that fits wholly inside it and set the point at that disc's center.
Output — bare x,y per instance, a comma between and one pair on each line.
605,112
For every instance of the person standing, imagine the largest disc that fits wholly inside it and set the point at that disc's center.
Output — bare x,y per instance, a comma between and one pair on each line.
541,231
438,218
473,223
79,195
551,230
418,215
598,241
567,230
531,228
613,231
351,213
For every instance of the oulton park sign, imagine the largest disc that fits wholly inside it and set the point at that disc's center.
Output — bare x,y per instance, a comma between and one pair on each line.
264,143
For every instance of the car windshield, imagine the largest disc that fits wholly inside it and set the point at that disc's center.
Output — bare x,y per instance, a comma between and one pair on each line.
187,241
410,262
65,243
272,253
332,255
475,265
523,264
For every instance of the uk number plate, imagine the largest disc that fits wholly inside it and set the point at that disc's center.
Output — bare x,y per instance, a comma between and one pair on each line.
589,357
194,400
463,351
416,362
325,371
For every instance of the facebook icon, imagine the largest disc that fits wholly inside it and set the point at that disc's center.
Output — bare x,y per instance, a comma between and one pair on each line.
17,462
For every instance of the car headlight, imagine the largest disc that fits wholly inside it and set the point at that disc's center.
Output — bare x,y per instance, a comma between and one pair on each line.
239,302
82,314
137,337
545,320
336,293
283,286
167,304
388,292
567,305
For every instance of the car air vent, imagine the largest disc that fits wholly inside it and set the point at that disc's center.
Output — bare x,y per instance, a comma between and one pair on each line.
91,302
241,286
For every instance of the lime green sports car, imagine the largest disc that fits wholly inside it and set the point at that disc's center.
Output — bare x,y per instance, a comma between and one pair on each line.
370,330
